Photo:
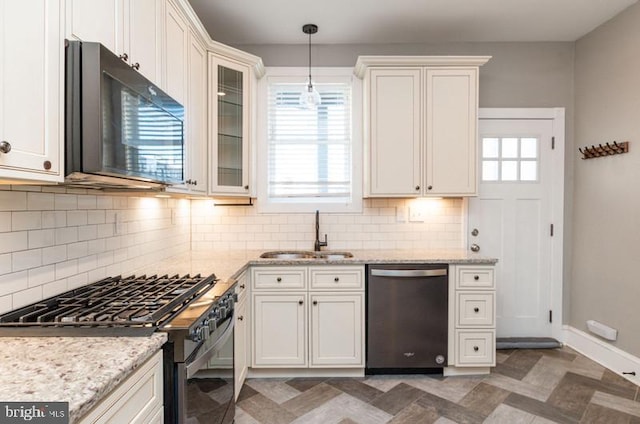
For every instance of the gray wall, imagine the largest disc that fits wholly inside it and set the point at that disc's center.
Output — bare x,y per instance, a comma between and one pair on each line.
607,190
518,75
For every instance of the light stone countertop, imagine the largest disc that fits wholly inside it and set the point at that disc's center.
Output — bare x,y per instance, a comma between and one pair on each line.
82,370
78,370
229,264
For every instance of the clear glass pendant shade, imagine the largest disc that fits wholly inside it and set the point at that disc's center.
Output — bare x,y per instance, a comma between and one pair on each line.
310,98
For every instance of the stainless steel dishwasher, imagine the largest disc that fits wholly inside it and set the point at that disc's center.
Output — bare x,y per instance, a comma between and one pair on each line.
407,318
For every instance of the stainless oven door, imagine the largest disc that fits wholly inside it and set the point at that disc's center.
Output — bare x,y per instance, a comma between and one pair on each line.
206,379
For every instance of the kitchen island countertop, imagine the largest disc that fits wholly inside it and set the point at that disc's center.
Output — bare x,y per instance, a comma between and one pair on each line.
78,370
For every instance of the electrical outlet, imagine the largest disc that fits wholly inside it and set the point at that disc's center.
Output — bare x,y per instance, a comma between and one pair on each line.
416,214
401,214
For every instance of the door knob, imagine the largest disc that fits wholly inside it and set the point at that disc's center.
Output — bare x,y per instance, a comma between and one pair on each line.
475,248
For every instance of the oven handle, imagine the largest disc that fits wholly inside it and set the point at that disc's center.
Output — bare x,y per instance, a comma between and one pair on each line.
195,365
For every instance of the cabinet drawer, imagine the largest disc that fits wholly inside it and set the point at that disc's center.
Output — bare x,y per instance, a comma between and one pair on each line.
475,309
336,278
279,278
242,288
475,278
475,348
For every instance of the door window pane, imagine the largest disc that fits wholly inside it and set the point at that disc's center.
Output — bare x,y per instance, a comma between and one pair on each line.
509,147
510,159
528,171
529,148
510,170
490,170
490,147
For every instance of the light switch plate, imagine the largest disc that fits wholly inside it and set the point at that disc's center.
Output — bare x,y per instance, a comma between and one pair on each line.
416,214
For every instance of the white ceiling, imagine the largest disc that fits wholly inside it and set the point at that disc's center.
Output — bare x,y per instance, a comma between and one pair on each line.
402,21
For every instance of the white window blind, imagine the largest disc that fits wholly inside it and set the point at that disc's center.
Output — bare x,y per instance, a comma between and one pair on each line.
309,150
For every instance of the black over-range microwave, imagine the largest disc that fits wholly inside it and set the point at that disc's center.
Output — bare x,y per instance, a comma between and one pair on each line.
121,130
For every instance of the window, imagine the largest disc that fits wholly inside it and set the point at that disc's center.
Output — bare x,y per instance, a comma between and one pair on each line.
310,154
509,159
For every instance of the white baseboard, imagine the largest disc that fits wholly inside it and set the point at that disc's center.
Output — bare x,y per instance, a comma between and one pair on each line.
304,372
607,355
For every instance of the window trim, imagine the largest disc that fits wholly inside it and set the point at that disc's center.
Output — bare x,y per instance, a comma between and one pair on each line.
295,74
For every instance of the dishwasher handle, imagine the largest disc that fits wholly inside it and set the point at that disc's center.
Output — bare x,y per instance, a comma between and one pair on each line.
408,273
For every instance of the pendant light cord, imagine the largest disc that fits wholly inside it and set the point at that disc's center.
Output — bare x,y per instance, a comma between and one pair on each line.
310,86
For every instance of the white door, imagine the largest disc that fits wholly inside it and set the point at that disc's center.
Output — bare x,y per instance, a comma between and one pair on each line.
511,220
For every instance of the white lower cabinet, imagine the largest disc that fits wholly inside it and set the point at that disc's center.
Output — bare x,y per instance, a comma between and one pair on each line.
472,316
240,345
280,330
336,330
319,324
138,399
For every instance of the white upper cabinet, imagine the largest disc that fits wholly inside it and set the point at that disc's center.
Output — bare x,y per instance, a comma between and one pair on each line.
195,120
176,53
420,124
394,124
229,120
132,29
31,90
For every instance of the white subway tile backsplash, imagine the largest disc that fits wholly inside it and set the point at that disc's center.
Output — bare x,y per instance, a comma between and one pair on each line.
25,297
77,250
66,202
87,202
54,219
87,232
41,238
66,269
54,254
76,218
21,221
66,235
11,242
26,259
5,222
54,288
96,217
6,303
5,263
11,283
13,201
40,201
41,275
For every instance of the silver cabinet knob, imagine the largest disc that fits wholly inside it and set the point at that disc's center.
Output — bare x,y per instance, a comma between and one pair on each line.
475,248
124,57
5,146
475,232
136,66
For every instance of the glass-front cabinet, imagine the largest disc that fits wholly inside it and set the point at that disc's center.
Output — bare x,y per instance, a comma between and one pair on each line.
229,105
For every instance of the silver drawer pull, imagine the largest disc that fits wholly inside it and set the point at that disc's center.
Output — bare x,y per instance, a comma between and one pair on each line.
476,310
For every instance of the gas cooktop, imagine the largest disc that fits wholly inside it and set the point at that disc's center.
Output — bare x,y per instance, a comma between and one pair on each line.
112,306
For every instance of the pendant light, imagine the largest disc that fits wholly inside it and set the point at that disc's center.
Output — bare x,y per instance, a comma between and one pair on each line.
310,98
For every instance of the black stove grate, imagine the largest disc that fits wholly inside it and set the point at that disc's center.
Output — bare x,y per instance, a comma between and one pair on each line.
113,302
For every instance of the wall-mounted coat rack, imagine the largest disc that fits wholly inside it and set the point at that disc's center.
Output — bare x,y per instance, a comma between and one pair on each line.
608,149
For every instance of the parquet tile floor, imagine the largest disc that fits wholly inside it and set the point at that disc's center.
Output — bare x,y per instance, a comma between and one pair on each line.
527,386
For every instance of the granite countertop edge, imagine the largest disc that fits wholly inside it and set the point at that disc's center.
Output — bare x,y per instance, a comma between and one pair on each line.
79,370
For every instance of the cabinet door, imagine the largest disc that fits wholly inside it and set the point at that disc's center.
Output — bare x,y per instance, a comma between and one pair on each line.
143,37
176,56
394,132
336,330
451,131
240,347
97,20
279,330
229,116
195,141
31,89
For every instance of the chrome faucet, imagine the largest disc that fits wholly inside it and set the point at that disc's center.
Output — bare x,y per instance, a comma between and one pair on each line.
318,244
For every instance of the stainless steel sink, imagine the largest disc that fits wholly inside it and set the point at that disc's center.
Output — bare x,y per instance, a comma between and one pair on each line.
303,254
332,256
289,254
